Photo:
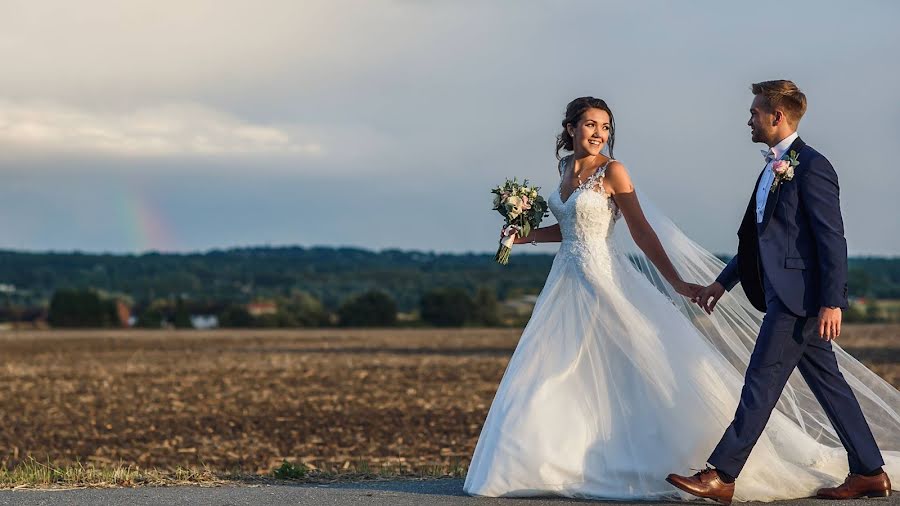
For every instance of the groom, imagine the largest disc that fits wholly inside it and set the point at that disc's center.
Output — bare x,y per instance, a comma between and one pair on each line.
792,264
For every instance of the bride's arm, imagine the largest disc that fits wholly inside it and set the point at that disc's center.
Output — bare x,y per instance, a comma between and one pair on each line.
617,184
543,234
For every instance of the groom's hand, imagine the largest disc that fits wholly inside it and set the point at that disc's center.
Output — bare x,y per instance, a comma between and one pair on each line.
709,296
830,323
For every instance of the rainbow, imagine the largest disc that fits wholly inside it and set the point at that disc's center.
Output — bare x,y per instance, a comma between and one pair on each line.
144,222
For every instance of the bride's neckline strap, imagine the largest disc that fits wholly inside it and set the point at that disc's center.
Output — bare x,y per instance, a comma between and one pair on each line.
591,180
600,170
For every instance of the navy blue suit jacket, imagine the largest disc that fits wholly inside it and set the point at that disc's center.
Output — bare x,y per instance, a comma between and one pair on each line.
799,244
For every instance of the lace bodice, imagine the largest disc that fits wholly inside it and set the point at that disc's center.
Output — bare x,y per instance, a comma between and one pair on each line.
587,218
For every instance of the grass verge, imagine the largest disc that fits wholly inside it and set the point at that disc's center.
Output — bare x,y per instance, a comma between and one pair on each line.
36,474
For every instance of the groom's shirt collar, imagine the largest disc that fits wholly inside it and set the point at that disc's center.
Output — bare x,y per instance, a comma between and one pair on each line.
782,147
768,176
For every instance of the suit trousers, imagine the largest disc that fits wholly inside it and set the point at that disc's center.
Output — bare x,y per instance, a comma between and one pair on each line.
787,341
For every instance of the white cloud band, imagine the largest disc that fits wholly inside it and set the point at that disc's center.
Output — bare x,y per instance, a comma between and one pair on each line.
183,129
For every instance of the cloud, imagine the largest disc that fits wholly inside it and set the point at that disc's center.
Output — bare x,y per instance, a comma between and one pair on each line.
177,129
110,50
291,107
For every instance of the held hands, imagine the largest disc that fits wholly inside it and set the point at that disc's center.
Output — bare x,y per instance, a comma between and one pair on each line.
830,323
709,296
686,289
829,317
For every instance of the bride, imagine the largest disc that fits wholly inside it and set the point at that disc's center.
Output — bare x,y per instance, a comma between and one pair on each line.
617,379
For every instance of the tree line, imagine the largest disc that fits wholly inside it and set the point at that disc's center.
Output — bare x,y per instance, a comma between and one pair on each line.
312,286
451,307
241,275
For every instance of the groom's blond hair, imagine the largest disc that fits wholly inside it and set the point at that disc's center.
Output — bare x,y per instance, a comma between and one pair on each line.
784,95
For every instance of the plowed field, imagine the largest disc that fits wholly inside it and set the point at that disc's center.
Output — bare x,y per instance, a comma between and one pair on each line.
246,400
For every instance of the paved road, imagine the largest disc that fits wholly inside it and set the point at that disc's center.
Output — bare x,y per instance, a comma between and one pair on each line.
391,493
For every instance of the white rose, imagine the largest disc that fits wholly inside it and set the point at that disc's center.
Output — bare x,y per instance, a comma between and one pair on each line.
513,207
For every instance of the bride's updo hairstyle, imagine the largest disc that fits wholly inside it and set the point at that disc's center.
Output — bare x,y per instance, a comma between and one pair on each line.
574,111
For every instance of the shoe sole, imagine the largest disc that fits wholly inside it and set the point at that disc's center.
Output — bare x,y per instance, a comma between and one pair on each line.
869,495
679,487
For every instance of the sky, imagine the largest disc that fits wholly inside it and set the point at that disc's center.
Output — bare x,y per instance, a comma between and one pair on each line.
192,125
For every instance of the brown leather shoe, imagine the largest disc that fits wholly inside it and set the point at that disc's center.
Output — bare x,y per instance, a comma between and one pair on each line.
857,485
706,484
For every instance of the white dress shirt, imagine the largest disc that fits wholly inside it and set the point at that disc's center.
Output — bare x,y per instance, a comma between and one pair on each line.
768,175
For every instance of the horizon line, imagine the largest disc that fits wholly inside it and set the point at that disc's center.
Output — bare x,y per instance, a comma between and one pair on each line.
319,246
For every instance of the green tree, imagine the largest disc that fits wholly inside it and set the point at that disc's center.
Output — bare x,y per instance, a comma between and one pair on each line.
182,318
487,311
302,310
854,314
270,321
873,311
151,317
236,316
859,282
81,308
371,309
450,307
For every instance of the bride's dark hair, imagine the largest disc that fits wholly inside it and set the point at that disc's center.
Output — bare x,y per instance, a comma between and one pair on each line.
574,111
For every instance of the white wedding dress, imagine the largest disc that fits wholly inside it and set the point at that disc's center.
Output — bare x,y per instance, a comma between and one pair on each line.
616,382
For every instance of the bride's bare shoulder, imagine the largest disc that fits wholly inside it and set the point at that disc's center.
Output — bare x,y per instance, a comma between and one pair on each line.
616,178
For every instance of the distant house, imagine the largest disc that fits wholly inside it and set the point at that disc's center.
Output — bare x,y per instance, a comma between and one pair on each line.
262,308
204,321
407,317
123,311
521,306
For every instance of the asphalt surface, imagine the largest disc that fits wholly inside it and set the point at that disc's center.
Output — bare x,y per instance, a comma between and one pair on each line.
388,493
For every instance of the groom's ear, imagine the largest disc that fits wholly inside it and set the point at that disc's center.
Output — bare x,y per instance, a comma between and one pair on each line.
778,117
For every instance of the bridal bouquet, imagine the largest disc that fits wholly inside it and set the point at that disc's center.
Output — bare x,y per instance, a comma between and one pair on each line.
522,208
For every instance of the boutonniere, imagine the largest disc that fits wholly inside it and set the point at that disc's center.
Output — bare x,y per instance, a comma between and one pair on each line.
784,168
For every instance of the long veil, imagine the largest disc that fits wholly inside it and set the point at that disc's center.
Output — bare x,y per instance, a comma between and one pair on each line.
733,327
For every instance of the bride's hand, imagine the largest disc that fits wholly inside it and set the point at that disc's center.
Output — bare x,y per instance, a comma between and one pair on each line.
689,290
516,239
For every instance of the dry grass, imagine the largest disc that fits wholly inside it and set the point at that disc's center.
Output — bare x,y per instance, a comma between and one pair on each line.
160,407
35,474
